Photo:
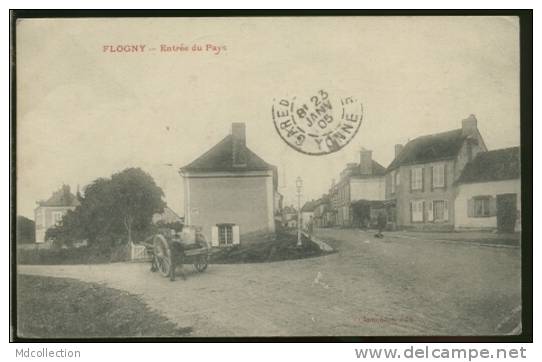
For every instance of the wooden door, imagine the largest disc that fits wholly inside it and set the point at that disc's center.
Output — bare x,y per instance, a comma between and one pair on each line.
506,212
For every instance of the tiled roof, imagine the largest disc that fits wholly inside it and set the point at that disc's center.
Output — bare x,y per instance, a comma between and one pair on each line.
62,197
310,206
496,165
220,158
439,146
378,170
167,216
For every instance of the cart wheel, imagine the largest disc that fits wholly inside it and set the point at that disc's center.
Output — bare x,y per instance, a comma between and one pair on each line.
164,265
202,263
154,264
162,254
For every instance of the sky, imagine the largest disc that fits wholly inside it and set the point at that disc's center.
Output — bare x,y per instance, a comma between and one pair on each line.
84,113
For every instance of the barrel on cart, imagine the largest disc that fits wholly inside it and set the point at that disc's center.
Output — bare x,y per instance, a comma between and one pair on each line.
187,247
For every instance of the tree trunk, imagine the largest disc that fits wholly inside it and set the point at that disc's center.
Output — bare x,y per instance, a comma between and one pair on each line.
128,225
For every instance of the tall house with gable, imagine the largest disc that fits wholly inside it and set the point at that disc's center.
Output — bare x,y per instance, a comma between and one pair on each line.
420,180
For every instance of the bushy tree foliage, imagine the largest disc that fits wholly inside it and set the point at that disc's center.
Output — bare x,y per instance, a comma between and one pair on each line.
113,210
26,231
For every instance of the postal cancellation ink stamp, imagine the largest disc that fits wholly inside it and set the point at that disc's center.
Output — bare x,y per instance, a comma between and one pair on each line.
317,125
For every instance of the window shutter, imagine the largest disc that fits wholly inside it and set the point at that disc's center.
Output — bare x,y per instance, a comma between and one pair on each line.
444,173
411,206
423,209
411,171
214,236
430,211
235,232
423,178
492,206
432,173
470,207
446,213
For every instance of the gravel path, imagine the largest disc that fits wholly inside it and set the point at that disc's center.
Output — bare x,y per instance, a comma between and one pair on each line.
370,287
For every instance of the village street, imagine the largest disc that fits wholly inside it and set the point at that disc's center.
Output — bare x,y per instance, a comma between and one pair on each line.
390,286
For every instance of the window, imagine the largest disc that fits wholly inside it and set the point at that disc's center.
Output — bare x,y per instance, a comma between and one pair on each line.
438,176
416,210
416,178
397,178
393,182
57,217
481,206
440,210
225,235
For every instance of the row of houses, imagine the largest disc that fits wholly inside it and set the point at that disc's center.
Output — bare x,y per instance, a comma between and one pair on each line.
441,181
446,180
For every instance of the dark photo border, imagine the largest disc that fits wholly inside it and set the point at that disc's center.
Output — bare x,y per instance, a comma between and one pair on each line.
526,120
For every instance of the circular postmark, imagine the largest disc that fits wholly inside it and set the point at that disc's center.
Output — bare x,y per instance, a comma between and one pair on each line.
317,125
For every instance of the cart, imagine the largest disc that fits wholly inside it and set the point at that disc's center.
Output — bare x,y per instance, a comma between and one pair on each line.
166,253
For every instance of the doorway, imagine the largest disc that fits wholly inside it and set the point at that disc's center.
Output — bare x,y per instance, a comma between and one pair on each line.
361,213
506,212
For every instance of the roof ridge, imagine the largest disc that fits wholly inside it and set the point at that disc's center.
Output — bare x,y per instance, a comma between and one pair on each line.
220,158
489,152
500,149
495,165
435,134
441,146
208,151
62,197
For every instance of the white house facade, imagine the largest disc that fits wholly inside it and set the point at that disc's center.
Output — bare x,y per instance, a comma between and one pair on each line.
230,192
489,192
51,211
352,199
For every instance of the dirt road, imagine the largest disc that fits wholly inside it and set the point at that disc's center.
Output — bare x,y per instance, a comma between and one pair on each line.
370,287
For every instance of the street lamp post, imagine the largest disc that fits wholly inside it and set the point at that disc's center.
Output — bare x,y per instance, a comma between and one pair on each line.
299,186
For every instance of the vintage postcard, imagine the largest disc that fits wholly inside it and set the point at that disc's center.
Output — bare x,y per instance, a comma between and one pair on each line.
281,176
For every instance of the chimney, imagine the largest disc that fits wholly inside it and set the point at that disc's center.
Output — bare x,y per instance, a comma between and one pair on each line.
398,149
239,144
469,125
366,162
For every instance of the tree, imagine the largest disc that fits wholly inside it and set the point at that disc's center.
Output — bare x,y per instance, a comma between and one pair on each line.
26,230
69,230
114,209
137,199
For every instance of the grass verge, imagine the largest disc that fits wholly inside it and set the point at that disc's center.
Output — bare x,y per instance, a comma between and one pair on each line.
82,255
66,308
283,248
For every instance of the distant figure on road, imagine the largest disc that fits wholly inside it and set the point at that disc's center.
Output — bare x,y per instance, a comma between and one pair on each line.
382,220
